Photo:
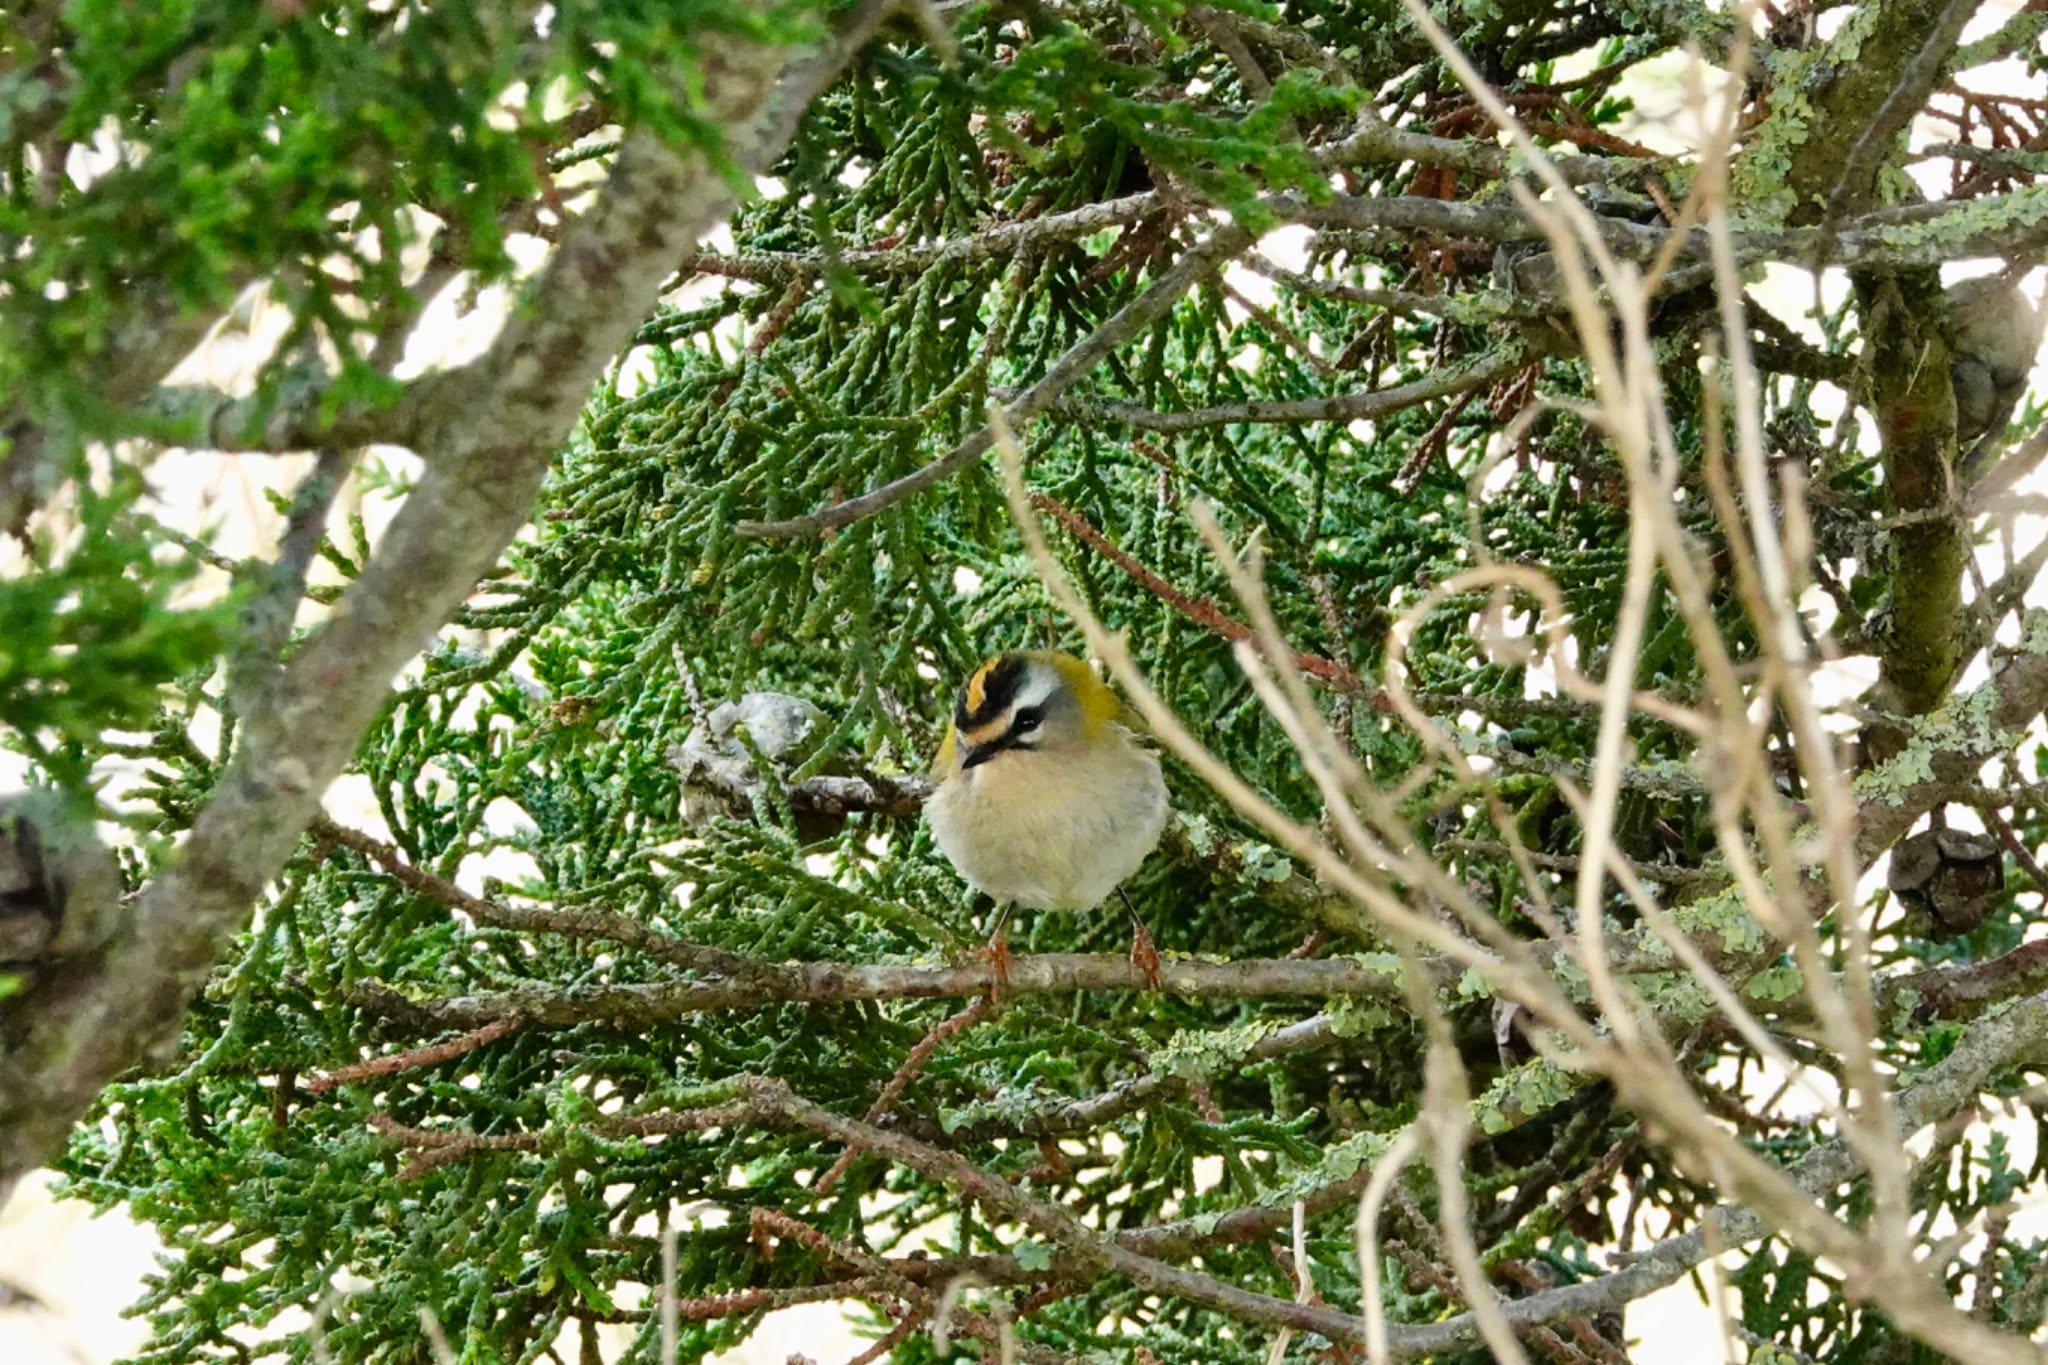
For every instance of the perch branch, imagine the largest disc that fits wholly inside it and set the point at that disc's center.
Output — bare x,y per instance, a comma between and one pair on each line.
644,1003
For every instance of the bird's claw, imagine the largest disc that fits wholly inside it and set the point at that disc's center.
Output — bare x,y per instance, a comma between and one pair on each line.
1145,957
998,954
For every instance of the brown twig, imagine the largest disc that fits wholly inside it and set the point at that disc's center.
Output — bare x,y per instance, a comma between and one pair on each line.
1568,864
740,1301
1433,441
573,924
764,1223
1598,138
413,1059
434,1147
1201,610
437,1146
898,1083
895,1337
779,317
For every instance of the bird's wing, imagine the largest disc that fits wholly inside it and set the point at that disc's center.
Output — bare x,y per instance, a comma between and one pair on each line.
1129,718
944,761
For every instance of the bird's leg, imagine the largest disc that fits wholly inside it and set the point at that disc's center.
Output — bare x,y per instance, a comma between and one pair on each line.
1144,952
998,951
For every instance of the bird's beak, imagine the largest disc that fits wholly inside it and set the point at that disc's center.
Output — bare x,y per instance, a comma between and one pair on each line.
979,754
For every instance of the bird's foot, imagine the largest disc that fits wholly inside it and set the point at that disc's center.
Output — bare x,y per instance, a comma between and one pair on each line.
1145,956
998,954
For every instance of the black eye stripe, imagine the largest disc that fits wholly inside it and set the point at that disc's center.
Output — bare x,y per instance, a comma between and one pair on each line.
1029,718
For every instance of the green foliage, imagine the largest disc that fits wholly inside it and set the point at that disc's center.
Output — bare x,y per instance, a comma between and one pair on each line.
93,631
305,146
529,757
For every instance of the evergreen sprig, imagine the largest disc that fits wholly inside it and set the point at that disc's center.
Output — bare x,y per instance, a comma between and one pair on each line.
445,1069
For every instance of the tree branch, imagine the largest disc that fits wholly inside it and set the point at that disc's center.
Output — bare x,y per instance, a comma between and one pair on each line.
1906,93
280,586
1992,1045
1344,407
1893,798
1000,240
1224,242
413,1058
489,433
1995,1044
1939,757
1886,240
591,924
1965,990
646,1003
1374,140
1878,242
2017,1036
200,417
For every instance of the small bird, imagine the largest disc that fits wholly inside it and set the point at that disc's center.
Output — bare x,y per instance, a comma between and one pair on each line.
1997,331
1044,797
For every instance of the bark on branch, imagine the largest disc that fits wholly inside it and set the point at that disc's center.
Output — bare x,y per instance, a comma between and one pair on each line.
1874,83
491,435
647,1003
1991,1046
2015,1037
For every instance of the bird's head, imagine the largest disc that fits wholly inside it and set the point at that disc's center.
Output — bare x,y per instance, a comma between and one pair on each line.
1026,702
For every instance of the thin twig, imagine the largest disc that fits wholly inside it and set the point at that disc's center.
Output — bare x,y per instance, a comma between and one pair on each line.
413,1059
572,923
1201,610
1223,242
912,1064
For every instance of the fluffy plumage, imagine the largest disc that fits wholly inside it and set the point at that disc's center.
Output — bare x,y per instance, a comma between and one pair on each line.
1997,333
1045,799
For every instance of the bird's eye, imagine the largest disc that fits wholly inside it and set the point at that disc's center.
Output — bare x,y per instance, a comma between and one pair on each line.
1028,719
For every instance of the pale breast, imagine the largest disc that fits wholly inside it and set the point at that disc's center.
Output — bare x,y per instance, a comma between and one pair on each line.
1053,831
